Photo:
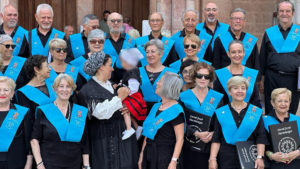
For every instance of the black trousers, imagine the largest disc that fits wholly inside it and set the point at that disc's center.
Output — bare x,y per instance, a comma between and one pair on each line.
275,80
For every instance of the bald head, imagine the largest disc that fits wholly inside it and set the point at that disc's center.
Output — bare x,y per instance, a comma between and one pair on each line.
211,12
115,23
10,16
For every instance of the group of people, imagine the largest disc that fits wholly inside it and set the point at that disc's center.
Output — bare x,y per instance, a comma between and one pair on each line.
112,101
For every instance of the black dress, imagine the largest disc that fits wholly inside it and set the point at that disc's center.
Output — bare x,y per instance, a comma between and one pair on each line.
107,149
158,152
56,153
227,156
17,153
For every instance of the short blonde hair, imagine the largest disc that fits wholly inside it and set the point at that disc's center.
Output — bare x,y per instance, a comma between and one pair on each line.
279,91
192,37
236,81
10,83
134,33
56,42
66,77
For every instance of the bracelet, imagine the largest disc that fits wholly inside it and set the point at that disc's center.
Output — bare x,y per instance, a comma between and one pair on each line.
40,163
174,159
269,154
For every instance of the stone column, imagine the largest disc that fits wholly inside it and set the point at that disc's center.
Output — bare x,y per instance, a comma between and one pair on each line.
297,11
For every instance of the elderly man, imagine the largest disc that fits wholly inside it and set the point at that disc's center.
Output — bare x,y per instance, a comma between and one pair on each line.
156,22
40,36
280,56
211,24
189,21
68,30
12,65
115,41
235,32
77,44
10,26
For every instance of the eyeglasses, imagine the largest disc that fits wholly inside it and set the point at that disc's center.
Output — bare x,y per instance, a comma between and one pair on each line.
236,18
186,46
155,20
187,72
211,9
200,76
94,27
94,41
116,20
58,50
7,46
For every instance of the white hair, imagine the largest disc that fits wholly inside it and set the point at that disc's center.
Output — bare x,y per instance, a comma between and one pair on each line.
44,6
190,10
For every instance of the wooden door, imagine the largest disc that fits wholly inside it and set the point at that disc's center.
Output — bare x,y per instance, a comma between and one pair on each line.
64,13
136,10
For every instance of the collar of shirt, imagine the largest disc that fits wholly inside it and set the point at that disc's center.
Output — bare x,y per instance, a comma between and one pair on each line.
12,34
206,27
107,85
122,36
273,114
151,37
233,35
82,35
40,34
182,33
287,30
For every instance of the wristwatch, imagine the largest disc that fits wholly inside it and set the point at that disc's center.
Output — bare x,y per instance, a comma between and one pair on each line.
86,167
260,157
174,159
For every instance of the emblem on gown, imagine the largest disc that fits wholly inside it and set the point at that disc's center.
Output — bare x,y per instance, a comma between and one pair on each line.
254,109
79,114
158,121
15,116
166,42
211,101
15,64
18,40
55,36
72,69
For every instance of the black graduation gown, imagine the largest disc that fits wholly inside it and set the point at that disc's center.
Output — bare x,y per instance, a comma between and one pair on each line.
107,149
227,156
22,78
54,152
279,70
17,153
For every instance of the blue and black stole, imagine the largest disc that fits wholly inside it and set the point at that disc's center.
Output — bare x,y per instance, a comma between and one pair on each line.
70,70
109,49
14,67
38,96
77,45
37,47
270,120
231,133
79,63
282,45
208,106
68,131
18,39
10,126
147,88
204,38
153,123
250,74
249,42
168,44
221,27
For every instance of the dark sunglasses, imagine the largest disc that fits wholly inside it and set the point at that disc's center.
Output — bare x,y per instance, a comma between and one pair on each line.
116,20
7,46
93,41
58,50
200,76
186,46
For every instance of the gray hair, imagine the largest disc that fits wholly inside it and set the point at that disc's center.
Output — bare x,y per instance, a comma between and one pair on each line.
67,26
172,84
87,18
238,10
161,15
156,42
236,42
96,33
236,81
190,10
4,38
44,6
286,1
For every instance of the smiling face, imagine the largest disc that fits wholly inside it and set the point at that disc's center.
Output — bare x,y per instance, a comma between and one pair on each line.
44,19
10,16
202,81
115,23
190,21
64,90
96,45
237,21
5,93
190,48
59,53
186,74
281,104
285,13
6,52
238,92
211,12
153,55
236,53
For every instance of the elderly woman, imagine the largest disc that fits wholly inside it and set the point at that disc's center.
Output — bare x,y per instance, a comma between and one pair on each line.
96,40
59,138
106,124
58,50
186,71
199,105
192,50
164,127
152,73
236,53
281,100
237,121
14,133
13,66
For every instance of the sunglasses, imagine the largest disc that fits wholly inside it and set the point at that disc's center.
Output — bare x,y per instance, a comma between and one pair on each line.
200,76
93,41
116,20
186,46
7,46
58,50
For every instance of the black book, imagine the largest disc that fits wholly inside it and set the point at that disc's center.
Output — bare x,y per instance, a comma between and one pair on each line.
285,137
201,123
247,153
